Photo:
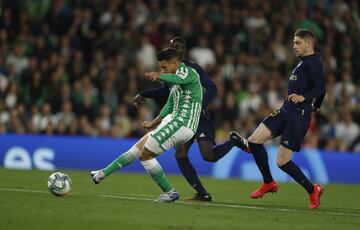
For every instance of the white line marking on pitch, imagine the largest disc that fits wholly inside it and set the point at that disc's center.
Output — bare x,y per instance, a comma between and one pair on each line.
151,198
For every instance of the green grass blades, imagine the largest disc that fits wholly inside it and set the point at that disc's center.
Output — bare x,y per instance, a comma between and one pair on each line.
125,201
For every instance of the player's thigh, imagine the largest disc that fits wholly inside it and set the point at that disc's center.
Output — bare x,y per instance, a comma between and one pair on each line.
157,137
261,135
284,155
205,130
272,126
168,136
182,150
205,137
295,130
142,141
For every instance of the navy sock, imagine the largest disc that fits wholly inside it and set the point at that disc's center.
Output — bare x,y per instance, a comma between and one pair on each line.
295,172
190,174
261,159
221,150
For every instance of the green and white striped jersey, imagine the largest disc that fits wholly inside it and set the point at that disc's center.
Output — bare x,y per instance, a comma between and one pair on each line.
185,99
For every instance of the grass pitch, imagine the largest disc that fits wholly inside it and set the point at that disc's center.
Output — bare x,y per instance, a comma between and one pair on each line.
125,201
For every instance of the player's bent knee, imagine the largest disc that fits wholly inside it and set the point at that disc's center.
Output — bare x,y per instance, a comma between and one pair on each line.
284,156
209,158
180,152
146,154
142,141
279,163
282,161
145,158
207,153
254,139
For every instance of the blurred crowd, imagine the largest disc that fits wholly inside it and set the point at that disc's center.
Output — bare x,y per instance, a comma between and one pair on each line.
74,67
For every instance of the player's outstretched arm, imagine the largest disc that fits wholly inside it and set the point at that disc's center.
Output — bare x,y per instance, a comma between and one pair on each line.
177,79
181,77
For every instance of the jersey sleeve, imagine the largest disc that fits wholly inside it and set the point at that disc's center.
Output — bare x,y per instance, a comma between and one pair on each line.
318,101
182,76
168,107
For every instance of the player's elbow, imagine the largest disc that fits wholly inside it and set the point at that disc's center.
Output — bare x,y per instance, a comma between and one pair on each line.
208,155
209,158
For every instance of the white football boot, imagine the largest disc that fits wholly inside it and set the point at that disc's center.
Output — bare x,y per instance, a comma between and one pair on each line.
170,196
97,176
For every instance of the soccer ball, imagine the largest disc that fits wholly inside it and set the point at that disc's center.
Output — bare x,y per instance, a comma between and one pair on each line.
59,184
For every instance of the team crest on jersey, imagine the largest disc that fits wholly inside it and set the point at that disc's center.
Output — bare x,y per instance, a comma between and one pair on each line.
182,72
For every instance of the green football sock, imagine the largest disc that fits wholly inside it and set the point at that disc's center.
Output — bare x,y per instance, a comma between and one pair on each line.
156,172
123,160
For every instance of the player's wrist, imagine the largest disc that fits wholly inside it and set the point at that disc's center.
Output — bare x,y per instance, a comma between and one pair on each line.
140,96
314,108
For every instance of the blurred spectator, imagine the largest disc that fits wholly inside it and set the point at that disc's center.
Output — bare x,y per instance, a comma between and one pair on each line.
347,130
12,96
42,119
17,58
146,55
122,122
202,53
66,115
252,102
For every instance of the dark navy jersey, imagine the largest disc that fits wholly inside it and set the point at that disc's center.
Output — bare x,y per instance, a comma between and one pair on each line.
307,79
206,82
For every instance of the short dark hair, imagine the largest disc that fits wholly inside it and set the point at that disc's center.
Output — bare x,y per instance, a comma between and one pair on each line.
168,54
179,44
305,33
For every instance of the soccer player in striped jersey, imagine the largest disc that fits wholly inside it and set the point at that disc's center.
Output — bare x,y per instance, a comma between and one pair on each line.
205,134
176,123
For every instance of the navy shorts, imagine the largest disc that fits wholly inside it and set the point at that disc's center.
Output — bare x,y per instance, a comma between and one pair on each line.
205,130
292,125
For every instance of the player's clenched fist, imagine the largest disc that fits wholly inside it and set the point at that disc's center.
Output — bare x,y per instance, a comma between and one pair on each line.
152,76
148,125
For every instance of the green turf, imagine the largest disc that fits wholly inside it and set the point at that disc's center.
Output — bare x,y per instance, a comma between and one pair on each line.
124,201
